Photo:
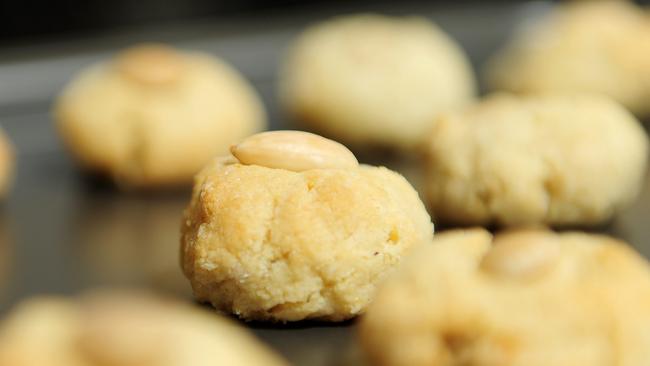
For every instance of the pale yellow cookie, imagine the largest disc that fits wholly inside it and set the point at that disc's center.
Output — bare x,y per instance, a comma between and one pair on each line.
309,238
119,329
153,115
521,298
554,160
581,46
373,79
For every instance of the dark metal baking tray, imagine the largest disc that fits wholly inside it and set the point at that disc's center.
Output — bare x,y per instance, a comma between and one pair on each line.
62,232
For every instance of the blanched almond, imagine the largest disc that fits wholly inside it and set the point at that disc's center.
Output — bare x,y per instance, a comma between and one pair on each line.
293,150
150,64
525,255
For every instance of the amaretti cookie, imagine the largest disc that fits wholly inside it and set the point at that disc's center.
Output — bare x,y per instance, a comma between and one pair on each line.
521,298
553,160
154,116
581,46
291,227
374,80
119,329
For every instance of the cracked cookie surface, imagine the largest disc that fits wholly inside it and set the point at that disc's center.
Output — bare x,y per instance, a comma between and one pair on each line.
154,116
462,301
555,160
273,244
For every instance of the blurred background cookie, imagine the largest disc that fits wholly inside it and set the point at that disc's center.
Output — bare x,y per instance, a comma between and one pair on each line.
295,229
153,116
521,298
555,160
581,46
124,329
374,80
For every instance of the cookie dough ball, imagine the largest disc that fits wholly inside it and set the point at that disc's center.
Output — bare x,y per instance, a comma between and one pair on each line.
523,298
115,329
7,162
554,160
378,80
294,228
154,116
582,46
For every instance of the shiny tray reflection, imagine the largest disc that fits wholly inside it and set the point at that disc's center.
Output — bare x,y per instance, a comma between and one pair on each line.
62,232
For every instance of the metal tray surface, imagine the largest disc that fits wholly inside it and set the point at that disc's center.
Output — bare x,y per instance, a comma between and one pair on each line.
62,232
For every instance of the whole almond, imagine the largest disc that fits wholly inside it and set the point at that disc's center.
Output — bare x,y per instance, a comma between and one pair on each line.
150,64
522,255
293,150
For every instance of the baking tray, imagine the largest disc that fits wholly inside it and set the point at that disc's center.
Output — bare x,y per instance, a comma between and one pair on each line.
62,232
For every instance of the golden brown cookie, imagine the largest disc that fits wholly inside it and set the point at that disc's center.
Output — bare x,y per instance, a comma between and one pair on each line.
581,46
119,329
556,160
153,115
296,229
373,79
521,298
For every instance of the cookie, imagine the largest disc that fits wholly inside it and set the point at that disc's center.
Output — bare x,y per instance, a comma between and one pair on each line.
119,329
554,160
374,80
521,298
581,46
291,227
153,116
